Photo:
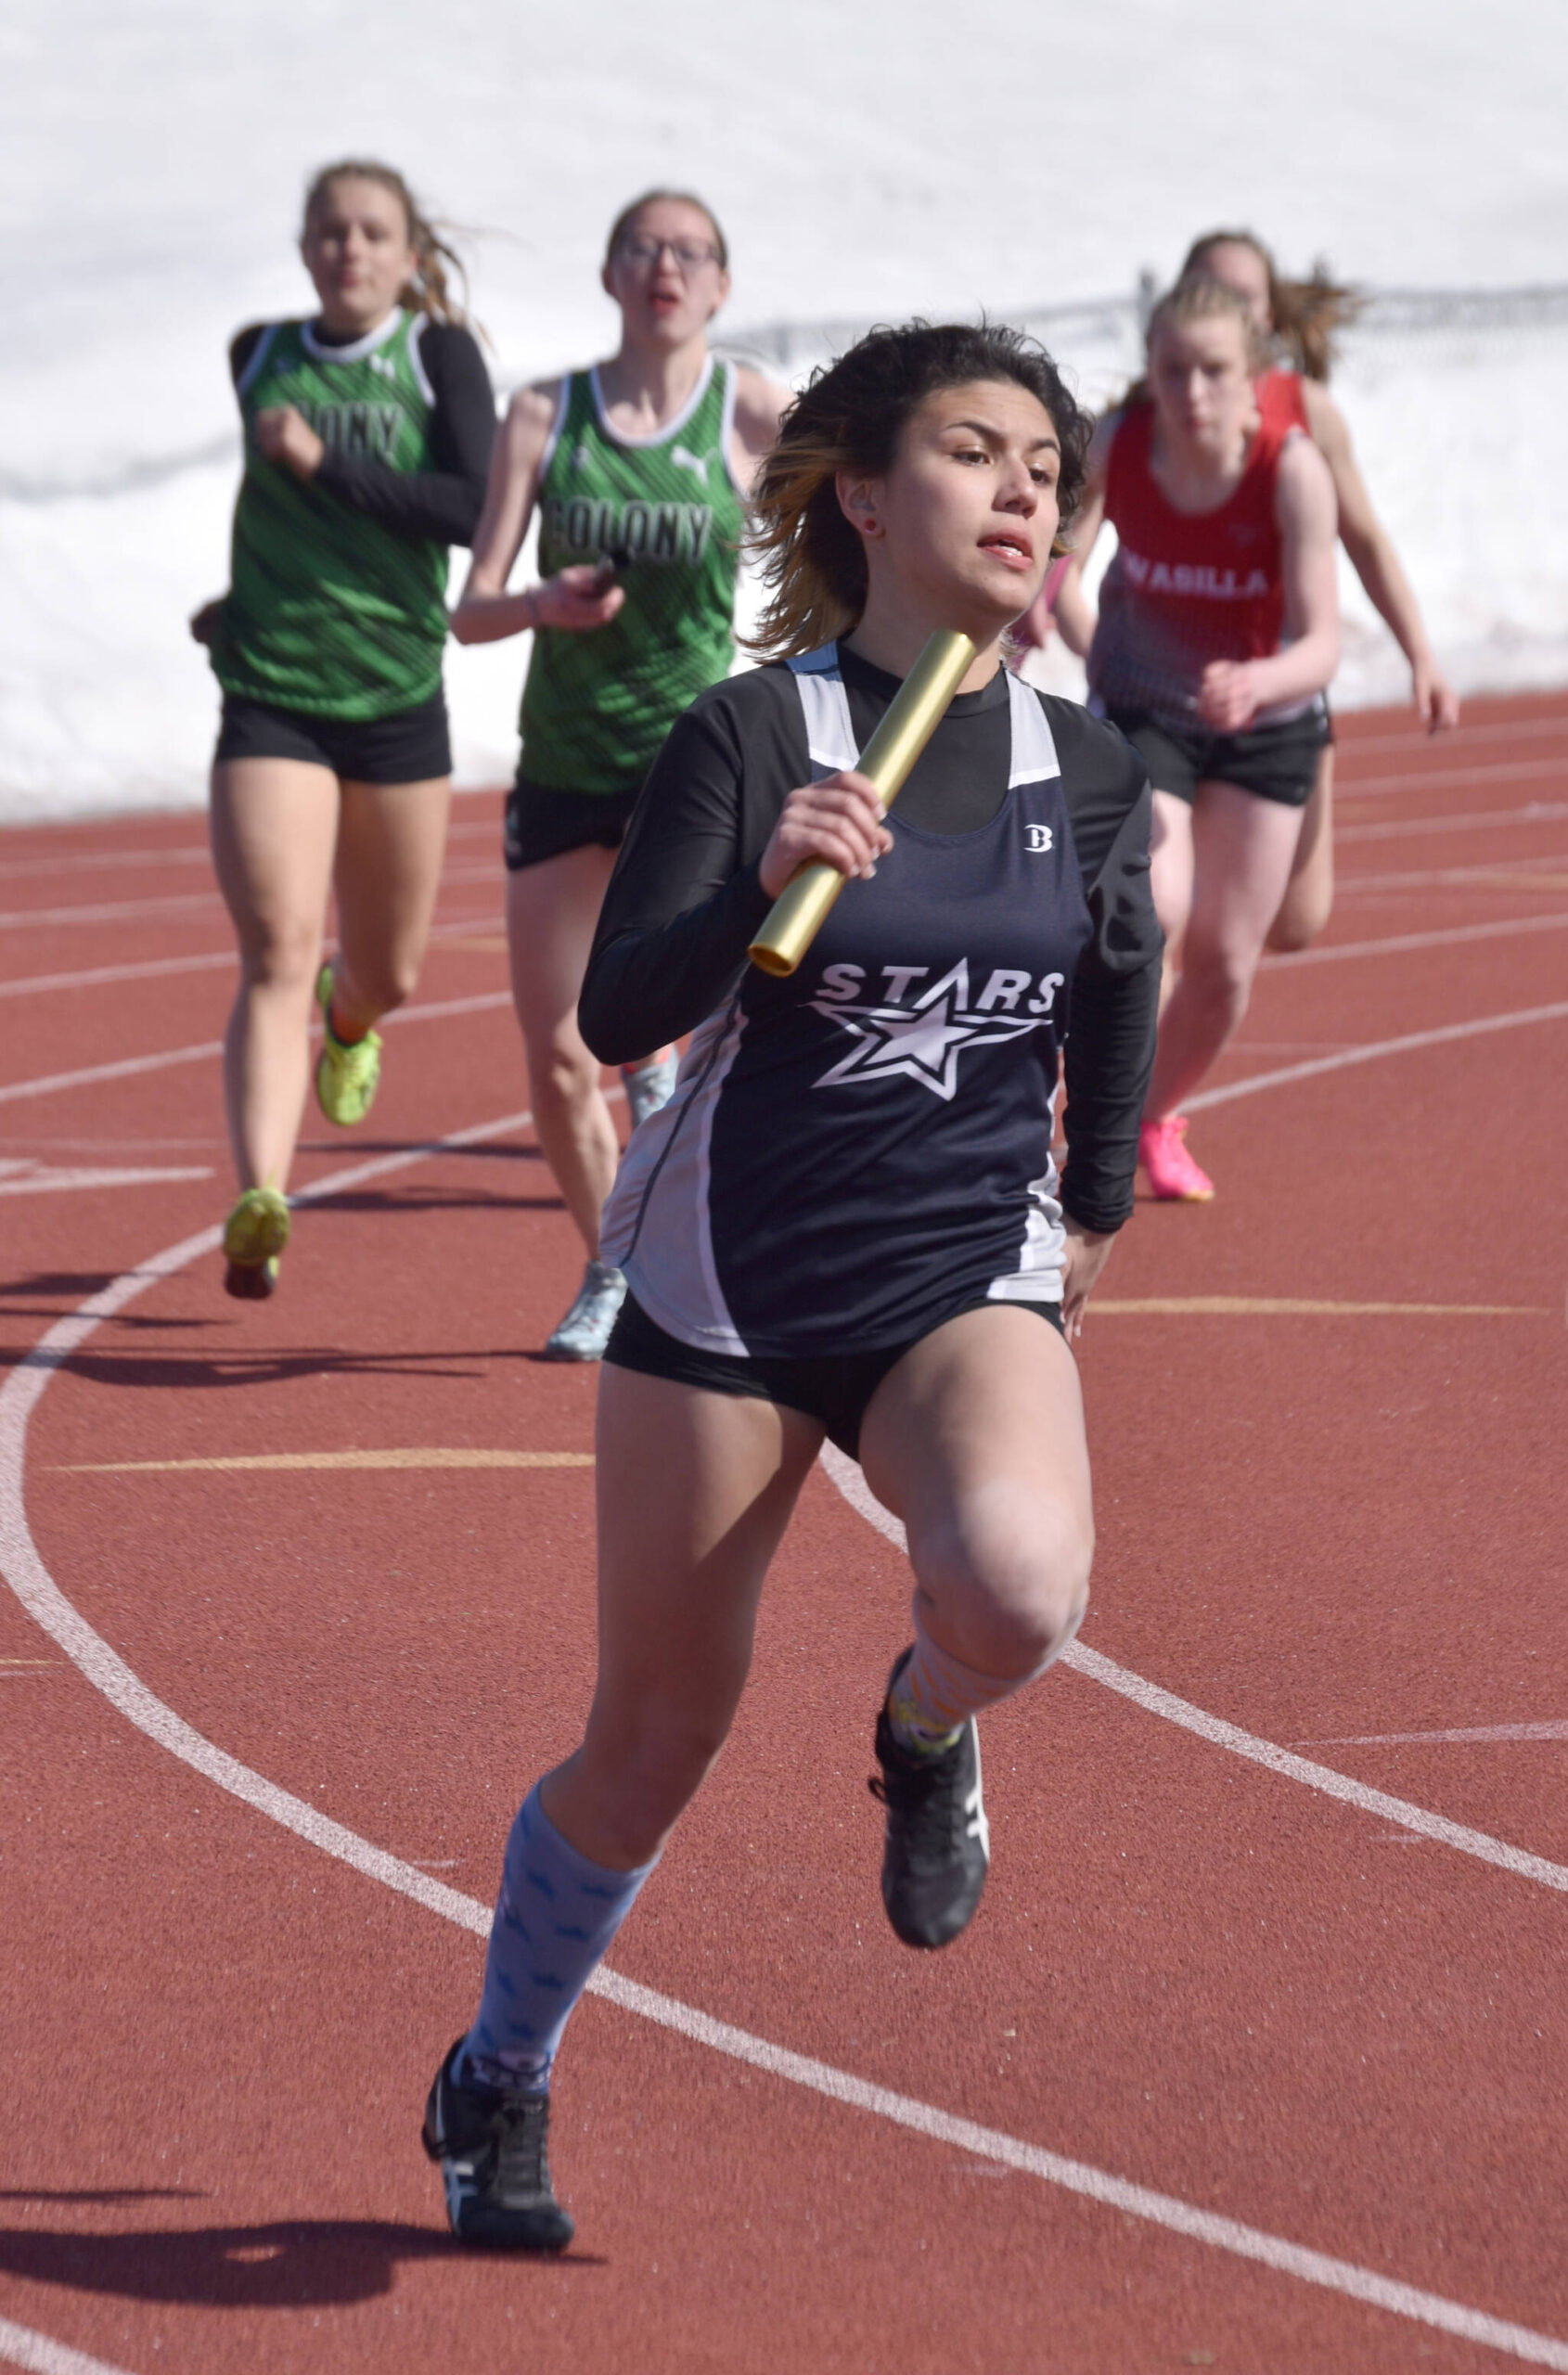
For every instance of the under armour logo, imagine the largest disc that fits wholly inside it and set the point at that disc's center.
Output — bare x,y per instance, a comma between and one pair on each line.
1037,839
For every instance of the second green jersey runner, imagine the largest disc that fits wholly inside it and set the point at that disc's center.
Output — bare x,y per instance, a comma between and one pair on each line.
597,707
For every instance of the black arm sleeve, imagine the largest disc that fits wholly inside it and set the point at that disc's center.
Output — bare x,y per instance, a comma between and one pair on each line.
442,504
1109,1049
684,902
241,347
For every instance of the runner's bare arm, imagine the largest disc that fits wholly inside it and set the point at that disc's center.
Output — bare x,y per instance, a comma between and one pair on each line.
759,405
1075,619
486,613
1234,690
1374,560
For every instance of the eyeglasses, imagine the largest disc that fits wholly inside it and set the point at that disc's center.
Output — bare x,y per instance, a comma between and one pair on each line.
688,255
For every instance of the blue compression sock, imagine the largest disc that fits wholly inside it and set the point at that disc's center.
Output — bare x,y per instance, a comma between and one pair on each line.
555,1919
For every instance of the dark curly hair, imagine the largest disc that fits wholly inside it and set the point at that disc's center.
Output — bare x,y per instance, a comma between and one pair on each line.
850,417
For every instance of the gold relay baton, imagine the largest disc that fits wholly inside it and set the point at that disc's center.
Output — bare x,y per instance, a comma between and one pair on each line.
911,718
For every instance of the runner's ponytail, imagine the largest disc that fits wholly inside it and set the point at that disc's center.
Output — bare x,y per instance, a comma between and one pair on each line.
1308,314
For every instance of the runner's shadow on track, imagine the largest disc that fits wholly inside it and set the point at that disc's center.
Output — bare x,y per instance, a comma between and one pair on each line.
59,1282
107,2193
281,2265
496,1150
180,1372
434,1199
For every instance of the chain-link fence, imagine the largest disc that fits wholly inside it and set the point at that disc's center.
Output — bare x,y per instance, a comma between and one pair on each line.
1455,402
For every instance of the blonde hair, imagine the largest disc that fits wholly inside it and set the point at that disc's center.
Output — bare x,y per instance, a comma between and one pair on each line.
852,418
1308,314
1195,299
429,291
628,215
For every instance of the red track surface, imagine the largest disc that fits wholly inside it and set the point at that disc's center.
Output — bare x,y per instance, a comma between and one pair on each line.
1190,1972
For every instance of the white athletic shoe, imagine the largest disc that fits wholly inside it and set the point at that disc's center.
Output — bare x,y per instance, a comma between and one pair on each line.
651,1084
585,1332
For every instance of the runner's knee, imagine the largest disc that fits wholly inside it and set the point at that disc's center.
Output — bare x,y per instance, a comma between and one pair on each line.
1010,1576
279,956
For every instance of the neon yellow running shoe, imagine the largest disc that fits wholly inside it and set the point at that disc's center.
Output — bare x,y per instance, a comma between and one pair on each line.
254,1235
347,1072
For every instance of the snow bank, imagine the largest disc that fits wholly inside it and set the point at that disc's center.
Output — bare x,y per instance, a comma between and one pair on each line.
869,162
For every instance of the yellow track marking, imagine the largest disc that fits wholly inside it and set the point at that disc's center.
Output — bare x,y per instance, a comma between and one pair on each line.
1283,1307
276,1459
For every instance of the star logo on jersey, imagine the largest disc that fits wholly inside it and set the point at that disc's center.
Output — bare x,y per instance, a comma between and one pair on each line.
923,1043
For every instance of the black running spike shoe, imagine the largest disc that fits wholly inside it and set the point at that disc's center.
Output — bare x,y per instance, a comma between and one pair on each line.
493,2154
938,1843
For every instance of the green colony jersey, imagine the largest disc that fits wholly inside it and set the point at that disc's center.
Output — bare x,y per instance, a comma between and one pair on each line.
597,705
329,612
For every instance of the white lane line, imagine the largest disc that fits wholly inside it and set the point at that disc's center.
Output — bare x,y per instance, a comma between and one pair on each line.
50,1083
1498,873
1504,928
182,853
128,1067
1536,812
1154,1700
1435,778
109,1674
44,1179
1095,2185
1551,1732
1416,737
1444,1035
109,911
20,2346
107,861
176,902
98,976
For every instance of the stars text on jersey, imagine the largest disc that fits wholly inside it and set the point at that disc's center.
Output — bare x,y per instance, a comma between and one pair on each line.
921,1032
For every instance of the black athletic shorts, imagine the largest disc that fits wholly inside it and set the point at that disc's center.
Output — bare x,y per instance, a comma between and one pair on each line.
541,823
411,746
1273,762
833,1387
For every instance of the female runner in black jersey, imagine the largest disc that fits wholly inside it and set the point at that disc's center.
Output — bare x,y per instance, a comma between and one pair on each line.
367,434
846,1221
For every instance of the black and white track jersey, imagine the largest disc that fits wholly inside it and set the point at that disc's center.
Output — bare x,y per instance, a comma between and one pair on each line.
854,1154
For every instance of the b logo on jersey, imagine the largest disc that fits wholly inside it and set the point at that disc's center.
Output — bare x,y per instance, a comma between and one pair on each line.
1036,840
922,1036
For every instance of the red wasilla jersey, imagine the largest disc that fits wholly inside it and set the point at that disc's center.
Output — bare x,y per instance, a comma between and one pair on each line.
1186,587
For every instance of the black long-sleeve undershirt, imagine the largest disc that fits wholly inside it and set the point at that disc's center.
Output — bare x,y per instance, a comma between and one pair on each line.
685,899
442,504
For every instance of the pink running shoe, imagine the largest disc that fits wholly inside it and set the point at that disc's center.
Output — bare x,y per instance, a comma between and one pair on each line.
1173,1175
